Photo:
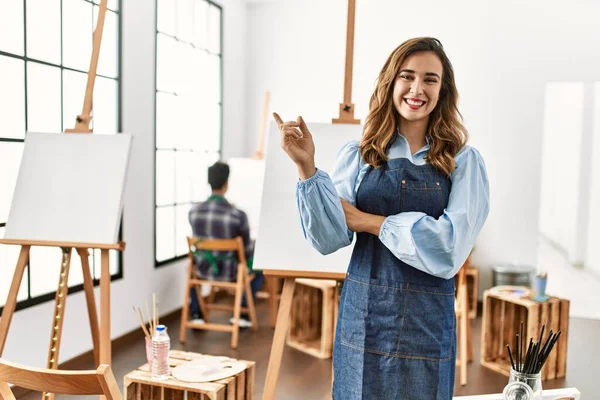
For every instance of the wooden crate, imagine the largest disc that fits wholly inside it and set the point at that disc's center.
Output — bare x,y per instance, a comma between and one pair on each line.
314,309
502,316
140,385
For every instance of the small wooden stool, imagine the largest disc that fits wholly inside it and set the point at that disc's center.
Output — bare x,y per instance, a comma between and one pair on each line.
502,316
139,384
313,317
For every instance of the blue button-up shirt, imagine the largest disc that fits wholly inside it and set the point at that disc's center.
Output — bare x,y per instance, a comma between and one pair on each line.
436,246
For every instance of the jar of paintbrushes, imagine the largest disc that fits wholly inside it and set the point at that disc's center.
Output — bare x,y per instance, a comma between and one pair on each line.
151,329
525,381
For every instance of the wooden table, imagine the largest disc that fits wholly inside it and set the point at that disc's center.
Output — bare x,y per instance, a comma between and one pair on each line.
140,385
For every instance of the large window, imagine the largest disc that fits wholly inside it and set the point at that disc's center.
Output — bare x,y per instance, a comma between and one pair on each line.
45,51
188,115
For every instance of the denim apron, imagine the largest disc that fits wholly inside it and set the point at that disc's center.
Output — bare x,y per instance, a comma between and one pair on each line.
395,337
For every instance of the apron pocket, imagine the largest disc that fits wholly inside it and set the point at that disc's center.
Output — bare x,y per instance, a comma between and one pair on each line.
429,323
371,315
423,196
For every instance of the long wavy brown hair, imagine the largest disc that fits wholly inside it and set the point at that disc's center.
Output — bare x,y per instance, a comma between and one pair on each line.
447,135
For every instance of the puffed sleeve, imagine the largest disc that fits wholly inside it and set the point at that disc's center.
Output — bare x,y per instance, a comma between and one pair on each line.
318,200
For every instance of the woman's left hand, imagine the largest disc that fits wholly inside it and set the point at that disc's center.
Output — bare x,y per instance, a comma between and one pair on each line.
353,216
358,221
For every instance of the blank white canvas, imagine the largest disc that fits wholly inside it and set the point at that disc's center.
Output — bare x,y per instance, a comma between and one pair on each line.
246,176
70,188
280,244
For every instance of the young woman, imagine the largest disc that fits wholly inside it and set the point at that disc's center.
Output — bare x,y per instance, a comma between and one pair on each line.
416,196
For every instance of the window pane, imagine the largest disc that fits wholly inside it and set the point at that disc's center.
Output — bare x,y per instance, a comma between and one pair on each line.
184,169
106,105
182,66
43,30
74,84
182,228
201,24
213,88
111,4
12,29
166,63
9,255
165,18
165,177
12,97
43,98
75,271
167,115
10,160
165,233
200,75
109,55
77,34
200,186
214,29
45,269
209,136
96,263
184,135
185,13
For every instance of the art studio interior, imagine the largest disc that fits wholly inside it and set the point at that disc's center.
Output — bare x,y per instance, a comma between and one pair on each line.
299,199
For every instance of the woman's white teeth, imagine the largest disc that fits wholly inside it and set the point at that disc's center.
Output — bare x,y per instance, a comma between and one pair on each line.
414,103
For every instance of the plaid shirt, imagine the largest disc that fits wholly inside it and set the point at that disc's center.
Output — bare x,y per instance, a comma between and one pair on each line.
216,218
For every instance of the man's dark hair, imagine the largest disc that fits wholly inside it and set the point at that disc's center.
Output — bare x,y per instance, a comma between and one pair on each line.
218,174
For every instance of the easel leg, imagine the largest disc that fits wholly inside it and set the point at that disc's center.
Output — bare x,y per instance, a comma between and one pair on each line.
11,301
281,328
60,301
272,287
88,286
105,350
464,320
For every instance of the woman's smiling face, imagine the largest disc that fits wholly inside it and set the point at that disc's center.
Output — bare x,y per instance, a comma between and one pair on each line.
417,87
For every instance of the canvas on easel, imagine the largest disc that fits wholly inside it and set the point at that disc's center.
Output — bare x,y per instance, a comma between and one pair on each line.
46,206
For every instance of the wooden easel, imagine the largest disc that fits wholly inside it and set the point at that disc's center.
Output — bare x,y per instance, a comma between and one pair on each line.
100,332
347,107
283,316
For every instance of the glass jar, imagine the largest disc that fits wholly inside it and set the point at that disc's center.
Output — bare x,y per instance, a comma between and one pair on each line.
523,386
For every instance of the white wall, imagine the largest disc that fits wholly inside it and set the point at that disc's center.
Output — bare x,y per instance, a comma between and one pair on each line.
503,54
593,250
29,334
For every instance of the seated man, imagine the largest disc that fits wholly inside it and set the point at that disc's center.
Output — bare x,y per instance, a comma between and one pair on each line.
216,218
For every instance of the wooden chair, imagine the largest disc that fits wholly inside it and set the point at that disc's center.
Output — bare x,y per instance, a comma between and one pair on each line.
463,324
98,382
242,284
